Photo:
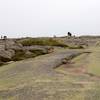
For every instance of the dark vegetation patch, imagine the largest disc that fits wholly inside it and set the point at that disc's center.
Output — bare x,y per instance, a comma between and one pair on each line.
3,59
43,42
76,47
21,55
37,52
1,63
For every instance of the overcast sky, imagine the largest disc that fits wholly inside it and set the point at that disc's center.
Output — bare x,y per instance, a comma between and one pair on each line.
20,18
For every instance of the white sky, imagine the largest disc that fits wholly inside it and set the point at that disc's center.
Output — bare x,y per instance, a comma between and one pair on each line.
20,18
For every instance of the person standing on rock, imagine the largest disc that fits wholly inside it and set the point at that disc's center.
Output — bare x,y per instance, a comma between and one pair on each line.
69,34
5,42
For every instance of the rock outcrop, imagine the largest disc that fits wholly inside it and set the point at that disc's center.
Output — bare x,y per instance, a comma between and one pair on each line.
11,48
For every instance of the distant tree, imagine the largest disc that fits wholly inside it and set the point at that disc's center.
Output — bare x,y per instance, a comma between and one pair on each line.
69,34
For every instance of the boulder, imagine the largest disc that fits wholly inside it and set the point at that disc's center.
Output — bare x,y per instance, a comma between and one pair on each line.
14,45
6,55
